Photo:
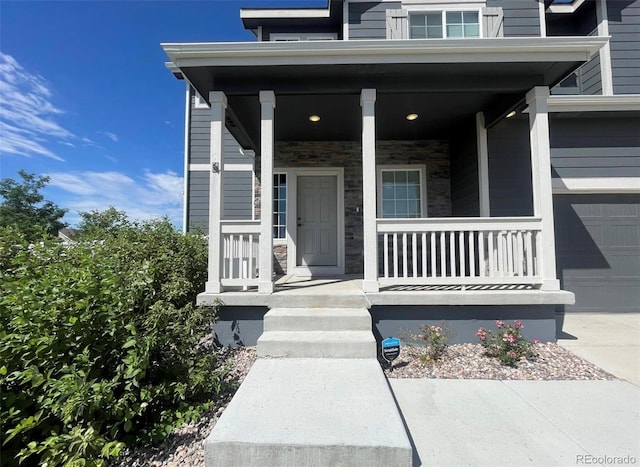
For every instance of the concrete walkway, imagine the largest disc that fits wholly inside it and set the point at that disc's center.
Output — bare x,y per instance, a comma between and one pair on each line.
512,423
609,340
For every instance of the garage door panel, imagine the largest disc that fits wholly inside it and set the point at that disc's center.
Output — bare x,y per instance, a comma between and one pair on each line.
598,250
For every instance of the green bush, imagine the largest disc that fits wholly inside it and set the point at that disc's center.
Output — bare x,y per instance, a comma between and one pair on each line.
101,344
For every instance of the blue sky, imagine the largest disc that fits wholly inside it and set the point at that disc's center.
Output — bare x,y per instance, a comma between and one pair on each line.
85,97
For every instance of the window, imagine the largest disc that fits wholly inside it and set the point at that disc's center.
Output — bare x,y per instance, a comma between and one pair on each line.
280,206
444,24
401,192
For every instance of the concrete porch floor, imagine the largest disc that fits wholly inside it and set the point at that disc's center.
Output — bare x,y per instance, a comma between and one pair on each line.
347,290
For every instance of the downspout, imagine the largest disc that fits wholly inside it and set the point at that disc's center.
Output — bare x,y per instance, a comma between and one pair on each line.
187,144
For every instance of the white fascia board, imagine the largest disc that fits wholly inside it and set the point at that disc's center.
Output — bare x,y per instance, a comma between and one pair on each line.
570,8
292,13
597,103
491,50
596,185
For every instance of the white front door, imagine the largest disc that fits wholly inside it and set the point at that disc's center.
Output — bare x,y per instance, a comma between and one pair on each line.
317,221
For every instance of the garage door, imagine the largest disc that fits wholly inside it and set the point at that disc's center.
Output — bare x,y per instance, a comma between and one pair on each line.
598,250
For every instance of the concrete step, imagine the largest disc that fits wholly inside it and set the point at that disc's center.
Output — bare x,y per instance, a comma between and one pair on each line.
317,344
311,412
317,319
298,299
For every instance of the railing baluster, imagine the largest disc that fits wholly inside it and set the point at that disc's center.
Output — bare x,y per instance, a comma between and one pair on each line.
500,245
462,255
482,263
538,260
520,255
472,254
529,253
443,255
404,255
452,252
414,254
492,254
424,254
395,255
386,255
510,258
250,259
433,253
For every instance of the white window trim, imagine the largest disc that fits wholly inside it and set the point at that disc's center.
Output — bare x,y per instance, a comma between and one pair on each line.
417,10
283,240
422,168
305,36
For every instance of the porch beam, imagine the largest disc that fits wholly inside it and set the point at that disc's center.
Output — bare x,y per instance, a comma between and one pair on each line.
541,183
483,165
218,101
368,102
267,106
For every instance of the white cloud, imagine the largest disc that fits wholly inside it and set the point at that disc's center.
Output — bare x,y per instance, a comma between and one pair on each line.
27,114
150,196
112,136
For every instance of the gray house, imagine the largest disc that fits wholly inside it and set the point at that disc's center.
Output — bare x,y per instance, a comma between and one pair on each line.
464,160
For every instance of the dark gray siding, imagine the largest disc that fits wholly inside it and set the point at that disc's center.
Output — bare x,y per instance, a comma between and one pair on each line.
238,198
598,250
510,168
238,186
369,20
464,172
595,147
624,28
198,201
200,141
521,17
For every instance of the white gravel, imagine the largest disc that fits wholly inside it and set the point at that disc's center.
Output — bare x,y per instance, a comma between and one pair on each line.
463,361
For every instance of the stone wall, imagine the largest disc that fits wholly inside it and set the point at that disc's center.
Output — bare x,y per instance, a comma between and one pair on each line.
348,155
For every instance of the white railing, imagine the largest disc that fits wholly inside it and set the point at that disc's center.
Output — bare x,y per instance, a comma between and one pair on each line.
240,250
459,251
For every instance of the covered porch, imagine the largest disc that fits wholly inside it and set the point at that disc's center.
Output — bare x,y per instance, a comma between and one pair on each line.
363,96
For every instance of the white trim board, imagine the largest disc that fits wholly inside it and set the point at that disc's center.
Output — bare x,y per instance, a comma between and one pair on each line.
500,50
226,168
570,8
596,185
597,103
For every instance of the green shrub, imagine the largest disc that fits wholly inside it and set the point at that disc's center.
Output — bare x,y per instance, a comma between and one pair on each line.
101,344
508,345
434,338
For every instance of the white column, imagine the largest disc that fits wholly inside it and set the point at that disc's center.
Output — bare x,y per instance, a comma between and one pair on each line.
218,102
483,166
368,103
605,52
541,181
267,106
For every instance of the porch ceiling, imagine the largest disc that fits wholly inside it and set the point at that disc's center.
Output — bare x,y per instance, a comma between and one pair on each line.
443,82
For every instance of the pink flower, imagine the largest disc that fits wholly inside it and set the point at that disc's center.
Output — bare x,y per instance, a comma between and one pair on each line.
500,323
512,354
518,324
482,338
536,340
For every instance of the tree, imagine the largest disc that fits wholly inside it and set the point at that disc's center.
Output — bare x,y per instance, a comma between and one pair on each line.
96,223
24,208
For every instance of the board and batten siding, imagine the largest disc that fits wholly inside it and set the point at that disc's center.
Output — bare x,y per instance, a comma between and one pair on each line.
237,185
368,20
595,147
624,29
521,17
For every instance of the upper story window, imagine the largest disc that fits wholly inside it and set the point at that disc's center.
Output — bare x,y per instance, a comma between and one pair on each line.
294,37
444,24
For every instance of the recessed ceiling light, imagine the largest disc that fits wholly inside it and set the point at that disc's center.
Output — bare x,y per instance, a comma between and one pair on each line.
412,117
511,114
314,118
